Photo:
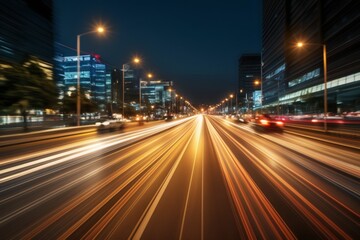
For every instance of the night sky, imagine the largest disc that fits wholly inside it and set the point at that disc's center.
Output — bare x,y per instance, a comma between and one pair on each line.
194,43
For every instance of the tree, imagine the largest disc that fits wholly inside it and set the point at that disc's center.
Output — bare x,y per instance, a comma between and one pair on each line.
25,86
70,101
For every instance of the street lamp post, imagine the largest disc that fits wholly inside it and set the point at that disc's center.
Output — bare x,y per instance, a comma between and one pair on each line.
123,91
231,97
236,102
181,106
300,44
170,111
325,87
78,105
227,105
176,103
261,80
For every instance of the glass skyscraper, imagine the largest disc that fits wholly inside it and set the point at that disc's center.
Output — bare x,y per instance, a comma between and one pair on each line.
27,32
293,78
95,81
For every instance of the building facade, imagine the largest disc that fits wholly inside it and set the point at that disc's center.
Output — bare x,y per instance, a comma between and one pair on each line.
27,32
293,78
95,79
158,94
249,82
131,79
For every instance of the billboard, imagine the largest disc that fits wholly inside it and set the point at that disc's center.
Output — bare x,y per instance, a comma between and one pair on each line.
257,99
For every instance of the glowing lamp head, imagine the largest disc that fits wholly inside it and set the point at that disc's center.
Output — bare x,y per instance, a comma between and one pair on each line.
136,60
300,44
100,30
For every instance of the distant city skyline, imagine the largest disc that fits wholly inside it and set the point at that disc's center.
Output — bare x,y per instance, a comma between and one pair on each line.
196,45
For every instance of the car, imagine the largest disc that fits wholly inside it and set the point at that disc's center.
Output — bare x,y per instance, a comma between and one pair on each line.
169,117
267,122
244,118
109,124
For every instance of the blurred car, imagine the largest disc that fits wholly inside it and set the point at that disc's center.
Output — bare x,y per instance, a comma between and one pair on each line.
266,122
110,124
244,118
169,117
139,118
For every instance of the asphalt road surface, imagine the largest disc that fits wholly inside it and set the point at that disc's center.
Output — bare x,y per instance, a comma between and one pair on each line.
201,177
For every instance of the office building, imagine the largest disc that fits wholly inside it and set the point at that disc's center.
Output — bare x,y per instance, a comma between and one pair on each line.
293,78
131,78
159,94
26,32
249,84
94,78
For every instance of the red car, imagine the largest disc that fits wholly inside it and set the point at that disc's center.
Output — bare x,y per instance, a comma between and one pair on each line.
266,122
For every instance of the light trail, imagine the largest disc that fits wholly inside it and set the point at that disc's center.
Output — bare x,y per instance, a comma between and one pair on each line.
76,153
298,200
196,145
167,181
142,224
252,206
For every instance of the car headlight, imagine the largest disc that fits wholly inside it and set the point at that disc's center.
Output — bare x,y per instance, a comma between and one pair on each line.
106,123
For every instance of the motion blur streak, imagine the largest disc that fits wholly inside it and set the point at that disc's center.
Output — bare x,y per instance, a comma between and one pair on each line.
202,177
75,153
248,197
151,208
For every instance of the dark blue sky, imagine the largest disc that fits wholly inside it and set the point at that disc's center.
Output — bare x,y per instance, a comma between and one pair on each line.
194,43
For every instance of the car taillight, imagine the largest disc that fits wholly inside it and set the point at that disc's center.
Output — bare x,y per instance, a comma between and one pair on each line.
264,122
279,123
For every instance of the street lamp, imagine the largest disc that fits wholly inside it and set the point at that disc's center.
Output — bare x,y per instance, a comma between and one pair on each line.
181,106
170,110
300,45
227,105
231,96
125,68
78,105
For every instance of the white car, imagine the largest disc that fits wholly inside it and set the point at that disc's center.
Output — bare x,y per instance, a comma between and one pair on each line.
109,124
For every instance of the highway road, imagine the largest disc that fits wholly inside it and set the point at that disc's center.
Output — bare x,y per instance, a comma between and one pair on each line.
202,177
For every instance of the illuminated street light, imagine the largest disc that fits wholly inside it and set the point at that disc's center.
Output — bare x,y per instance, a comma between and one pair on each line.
124,68
136,60
78,105
300,45
150,75
231,97
171,103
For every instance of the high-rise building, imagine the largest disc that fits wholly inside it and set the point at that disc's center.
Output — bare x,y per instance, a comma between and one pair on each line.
158,94
155,92
132,81
26,31
94,78
116,86
293,78
249,79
